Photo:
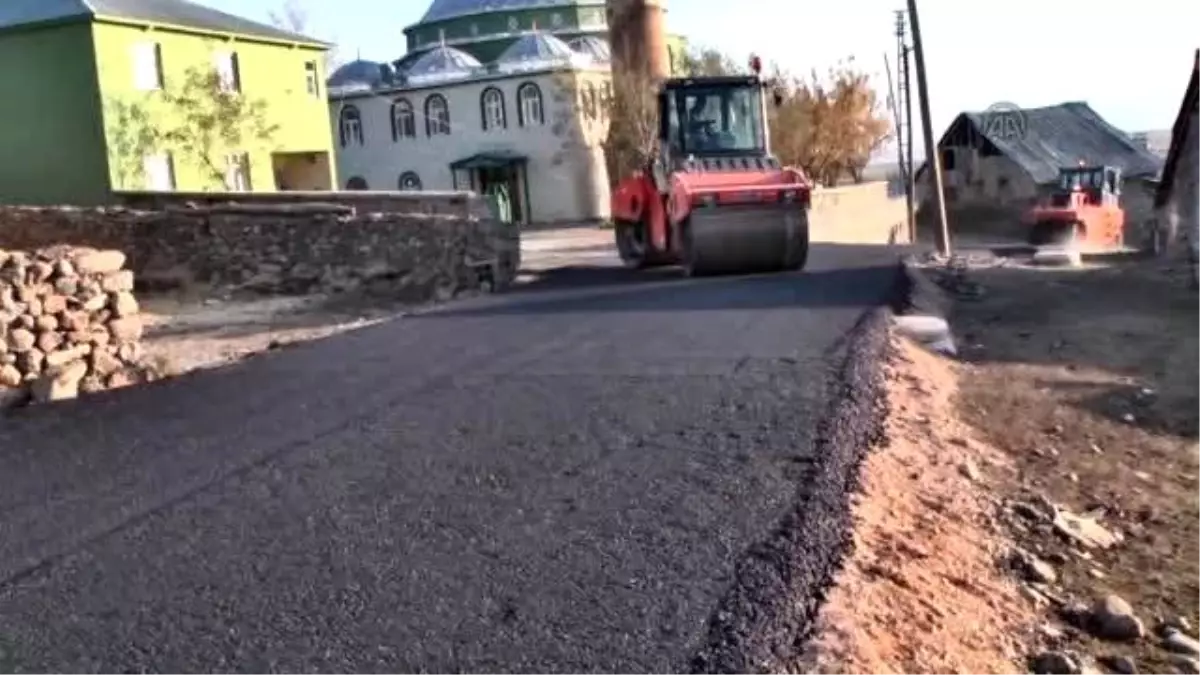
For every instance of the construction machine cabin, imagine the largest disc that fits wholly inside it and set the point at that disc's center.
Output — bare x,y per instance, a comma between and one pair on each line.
714,199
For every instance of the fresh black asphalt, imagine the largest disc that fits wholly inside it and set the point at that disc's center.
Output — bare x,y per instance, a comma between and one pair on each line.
559,479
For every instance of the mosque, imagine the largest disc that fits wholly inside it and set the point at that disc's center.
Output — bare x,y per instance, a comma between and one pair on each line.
491,96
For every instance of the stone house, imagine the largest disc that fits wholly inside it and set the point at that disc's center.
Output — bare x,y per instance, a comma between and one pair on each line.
997,164
72,70
1177,198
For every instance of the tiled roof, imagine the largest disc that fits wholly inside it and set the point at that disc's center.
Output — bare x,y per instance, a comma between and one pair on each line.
175,12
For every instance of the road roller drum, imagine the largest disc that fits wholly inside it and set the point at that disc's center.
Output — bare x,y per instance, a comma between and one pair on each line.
737,239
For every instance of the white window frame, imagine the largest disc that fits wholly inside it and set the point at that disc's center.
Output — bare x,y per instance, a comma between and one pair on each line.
147,66
227,67
437,112
493,109
159,170
237,172
529,96
352,129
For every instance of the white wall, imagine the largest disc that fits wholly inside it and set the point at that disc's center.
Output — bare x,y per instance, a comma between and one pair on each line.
565,169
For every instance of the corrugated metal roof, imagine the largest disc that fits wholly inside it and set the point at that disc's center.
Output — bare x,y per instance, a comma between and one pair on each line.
442,64
175,12
1066,134
1063,135
593,46
448,9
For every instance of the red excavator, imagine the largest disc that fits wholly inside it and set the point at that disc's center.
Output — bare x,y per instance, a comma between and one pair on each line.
714,200
1083,211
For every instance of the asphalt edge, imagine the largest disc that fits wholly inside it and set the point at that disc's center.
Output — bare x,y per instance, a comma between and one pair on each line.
780,584
765,620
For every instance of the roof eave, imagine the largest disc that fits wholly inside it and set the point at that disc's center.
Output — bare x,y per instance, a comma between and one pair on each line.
305,43
46,23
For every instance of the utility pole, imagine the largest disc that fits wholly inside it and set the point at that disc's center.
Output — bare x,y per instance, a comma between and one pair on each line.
903,102
932,158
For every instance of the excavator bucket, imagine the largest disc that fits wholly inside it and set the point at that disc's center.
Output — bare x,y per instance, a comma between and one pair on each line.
745,239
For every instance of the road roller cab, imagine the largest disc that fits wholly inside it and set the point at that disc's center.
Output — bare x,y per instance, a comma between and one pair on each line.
713,200
1084,210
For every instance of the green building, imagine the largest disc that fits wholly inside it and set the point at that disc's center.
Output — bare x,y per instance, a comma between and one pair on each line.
72,70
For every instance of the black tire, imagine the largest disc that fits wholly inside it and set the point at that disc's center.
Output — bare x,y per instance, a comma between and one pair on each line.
632,244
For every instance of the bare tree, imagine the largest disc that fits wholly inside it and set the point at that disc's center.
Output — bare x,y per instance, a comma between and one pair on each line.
830,126
293,16
707,62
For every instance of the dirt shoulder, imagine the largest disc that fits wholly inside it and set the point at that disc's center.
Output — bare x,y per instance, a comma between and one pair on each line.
1036,507
921,591
189,331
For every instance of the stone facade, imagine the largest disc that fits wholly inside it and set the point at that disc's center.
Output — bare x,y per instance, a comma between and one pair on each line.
69,323
432,202
294,249
555,170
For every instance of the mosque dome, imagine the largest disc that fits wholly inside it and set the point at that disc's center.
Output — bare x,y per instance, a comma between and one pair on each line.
359,75
590,45
449,9
442,64
537,51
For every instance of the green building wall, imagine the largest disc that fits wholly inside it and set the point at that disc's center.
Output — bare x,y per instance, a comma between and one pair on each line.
52,148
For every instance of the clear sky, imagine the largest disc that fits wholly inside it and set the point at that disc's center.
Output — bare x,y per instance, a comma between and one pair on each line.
1130,61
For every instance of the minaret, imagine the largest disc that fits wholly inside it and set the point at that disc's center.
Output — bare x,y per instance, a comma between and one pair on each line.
638,37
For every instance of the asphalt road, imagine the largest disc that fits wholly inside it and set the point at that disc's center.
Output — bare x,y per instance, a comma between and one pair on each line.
556,479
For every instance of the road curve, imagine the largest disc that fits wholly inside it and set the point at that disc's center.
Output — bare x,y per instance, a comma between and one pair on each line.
558,479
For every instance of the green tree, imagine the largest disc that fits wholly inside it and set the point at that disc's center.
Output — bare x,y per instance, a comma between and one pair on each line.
131,135
196,117
207,120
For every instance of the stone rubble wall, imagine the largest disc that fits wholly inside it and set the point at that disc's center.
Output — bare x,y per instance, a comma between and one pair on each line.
425,202
69,323
286,249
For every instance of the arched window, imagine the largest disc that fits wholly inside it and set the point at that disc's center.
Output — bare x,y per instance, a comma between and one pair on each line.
410,181
529,105
404,122
350,124
437,115
589,100
356,183
491,104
